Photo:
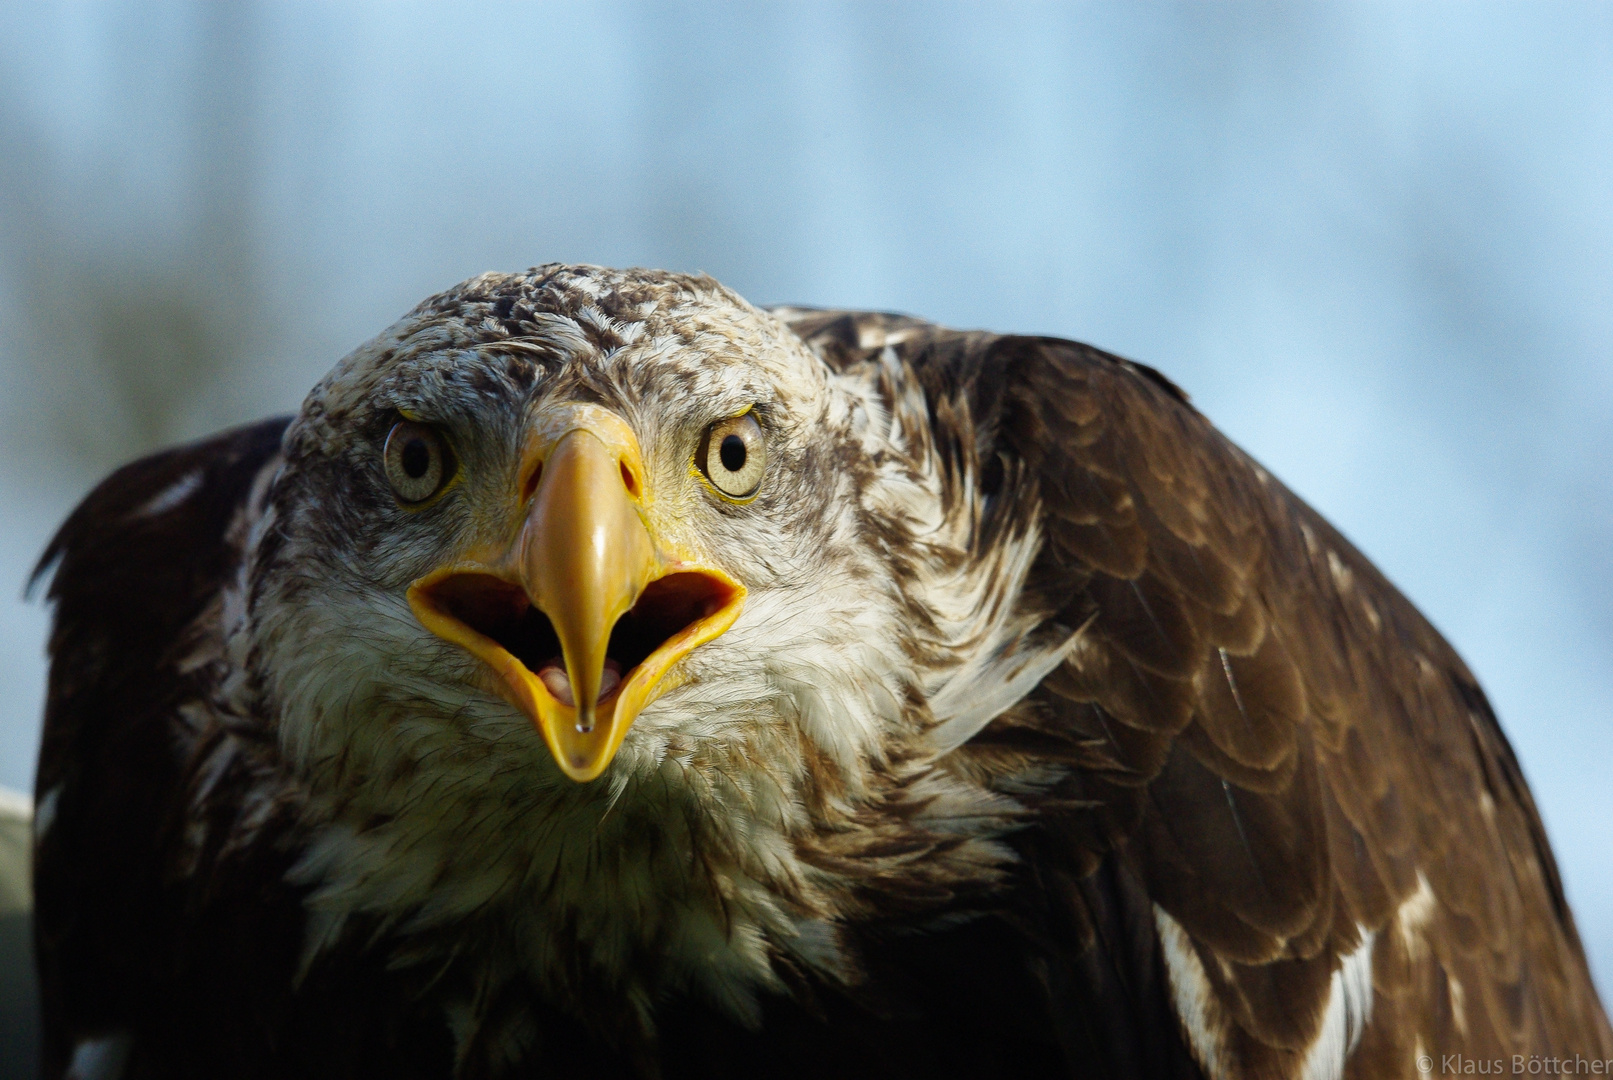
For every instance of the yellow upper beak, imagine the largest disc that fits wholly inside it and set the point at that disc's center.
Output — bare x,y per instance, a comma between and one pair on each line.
616,605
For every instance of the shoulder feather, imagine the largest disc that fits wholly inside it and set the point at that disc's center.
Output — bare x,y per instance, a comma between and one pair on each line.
1343,863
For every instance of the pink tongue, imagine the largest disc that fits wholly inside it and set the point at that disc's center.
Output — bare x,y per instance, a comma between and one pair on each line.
555,679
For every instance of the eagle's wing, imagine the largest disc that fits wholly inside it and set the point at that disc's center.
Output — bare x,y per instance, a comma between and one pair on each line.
1277,766
138,569
165,931
167,934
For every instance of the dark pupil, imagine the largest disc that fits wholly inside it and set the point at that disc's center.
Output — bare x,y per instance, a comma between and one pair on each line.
416,458
732,453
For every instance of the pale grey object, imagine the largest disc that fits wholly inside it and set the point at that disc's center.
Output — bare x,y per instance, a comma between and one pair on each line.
16,849
19,995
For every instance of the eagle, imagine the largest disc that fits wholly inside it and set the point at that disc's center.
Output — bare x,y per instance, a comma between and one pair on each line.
603,677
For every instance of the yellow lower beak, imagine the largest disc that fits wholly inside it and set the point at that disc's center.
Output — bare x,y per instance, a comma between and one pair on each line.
583,617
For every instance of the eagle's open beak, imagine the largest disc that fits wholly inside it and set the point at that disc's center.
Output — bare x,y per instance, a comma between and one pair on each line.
584,614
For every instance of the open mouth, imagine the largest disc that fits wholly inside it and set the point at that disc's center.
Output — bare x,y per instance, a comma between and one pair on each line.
584,615
668,614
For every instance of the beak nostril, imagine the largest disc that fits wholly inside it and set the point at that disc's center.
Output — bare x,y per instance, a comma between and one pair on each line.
629,481
531,485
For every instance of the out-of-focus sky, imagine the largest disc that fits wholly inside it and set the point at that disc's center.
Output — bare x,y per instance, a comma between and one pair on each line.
1375,242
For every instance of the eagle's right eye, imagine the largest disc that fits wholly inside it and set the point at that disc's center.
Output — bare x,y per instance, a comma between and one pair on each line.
417,461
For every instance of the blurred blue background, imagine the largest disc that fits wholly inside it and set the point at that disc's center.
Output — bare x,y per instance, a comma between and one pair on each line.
1374,242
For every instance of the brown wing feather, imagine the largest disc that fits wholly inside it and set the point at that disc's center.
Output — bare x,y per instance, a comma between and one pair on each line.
135,566
1267,734
162,915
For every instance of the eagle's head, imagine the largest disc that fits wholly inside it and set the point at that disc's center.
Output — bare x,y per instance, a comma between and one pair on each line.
594,604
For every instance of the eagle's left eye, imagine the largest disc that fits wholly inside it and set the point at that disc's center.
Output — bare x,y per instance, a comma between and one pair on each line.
733,456
417,461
